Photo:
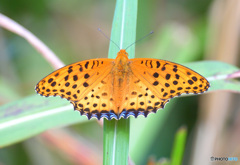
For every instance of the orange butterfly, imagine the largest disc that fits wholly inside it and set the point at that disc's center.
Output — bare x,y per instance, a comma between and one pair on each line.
118,88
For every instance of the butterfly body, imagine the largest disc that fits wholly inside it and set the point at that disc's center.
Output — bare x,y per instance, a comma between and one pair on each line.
118,88
121,73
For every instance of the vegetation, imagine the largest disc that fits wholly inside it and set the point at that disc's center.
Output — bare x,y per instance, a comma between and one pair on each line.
190,130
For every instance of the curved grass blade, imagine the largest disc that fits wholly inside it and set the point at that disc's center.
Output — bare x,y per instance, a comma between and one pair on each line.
27,117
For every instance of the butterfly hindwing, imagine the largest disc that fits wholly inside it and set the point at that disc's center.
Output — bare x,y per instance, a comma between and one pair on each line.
140,100
98,102
137,100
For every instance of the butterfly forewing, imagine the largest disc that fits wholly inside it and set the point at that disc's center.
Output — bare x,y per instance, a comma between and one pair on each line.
74,81
167,79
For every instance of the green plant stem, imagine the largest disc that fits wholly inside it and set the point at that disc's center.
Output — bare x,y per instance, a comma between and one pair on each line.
116,142
116,132
178,147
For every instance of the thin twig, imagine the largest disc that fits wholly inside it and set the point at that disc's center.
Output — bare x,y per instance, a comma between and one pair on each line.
16,28
225,76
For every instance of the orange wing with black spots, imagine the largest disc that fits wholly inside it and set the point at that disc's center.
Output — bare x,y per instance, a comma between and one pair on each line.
118,88
154,82
167,79
74,81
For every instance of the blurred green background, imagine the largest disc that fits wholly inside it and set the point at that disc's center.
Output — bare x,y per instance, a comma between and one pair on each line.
184,32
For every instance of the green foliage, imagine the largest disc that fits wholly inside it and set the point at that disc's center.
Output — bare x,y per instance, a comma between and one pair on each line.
27,117
179,145
67,32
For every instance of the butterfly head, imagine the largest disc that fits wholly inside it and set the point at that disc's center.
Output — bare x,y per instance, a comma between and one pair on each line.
122,53
122,57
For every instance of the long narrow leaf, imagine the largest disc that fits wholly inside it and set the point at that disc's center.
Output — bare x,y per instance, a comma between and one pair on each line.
25,118
116,133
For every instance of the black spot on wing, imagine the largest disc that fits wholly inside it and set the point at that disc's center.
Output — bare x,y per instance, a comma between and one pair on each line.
86,64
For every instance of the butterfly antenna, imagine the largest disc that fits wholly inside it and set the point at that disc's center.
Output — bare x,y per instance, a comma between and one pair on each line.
139,39
107,37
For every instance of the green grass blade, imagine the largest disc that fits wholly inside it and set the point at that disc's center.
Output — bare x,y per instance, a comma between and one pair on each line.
116,133
124,27
178,147
116,142
25,118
